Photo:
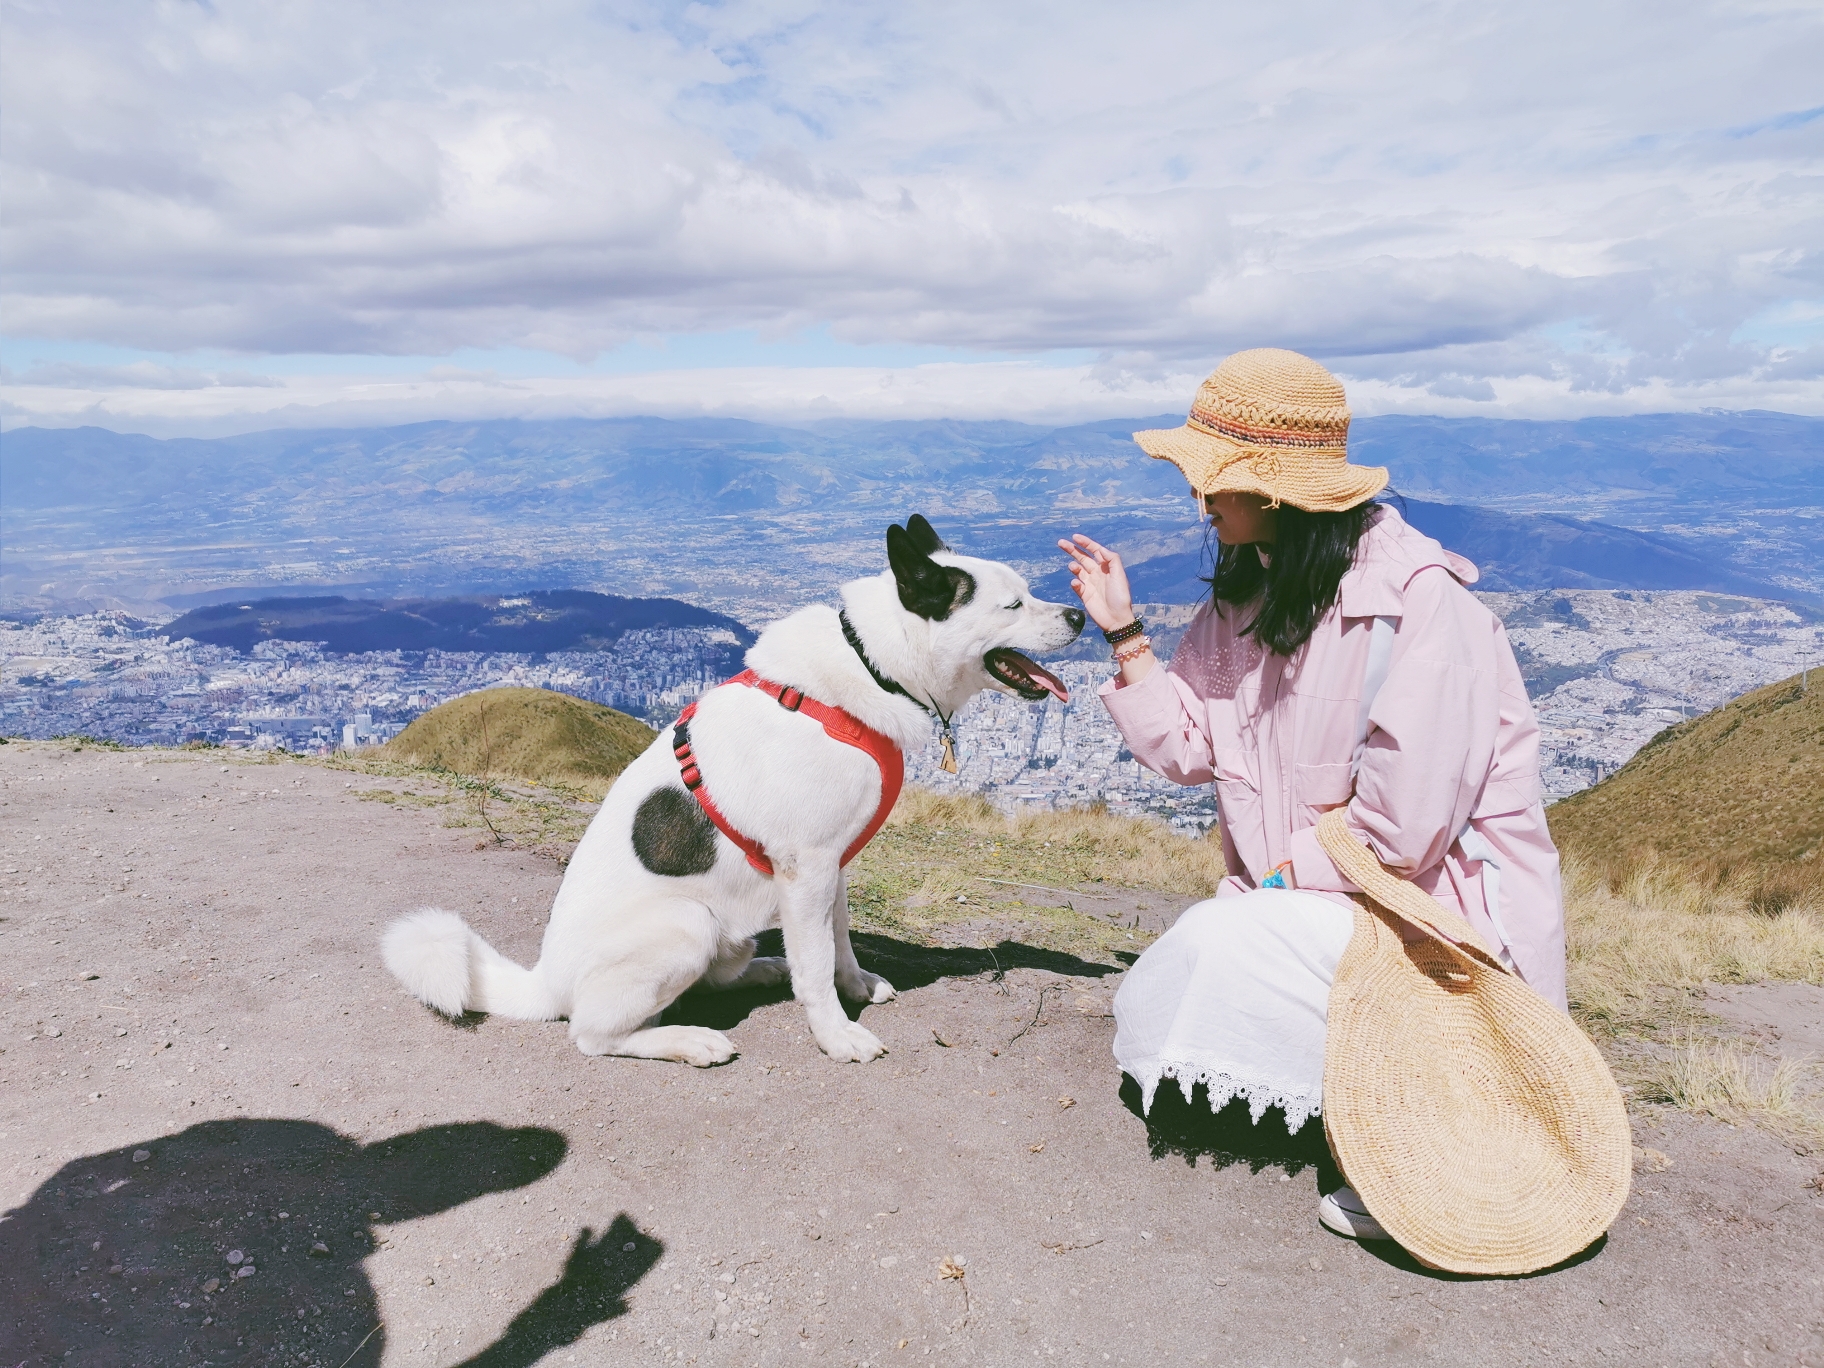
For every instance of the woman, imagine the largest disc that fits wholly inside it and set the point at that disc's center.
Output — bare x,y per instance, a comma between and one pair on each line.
1339,662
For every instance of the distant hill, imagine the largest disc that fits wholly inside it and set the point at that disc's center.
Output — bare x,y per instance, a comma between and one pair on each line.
719,509
731,465
531,734
1514,551
533,622
1737,794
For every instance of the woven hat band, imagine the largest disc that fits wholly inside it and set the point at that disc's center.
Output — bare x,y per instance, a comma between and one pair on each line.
1220,425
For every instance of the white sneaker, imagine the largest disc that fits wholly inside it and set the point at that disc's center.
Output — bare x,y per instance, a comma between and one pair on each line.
1343,1212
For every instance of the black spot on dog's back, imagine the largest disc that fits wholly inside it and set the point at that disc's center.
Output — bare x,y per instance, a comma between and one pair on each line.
672,836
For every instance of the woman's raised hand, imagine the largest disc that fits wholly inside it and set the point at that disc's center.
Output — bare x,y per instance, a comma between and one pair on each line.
1100,581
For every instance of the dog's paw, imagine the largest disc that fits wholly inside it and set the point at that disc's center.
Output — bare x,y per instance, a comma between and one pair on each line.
861,986
850,1043
764,973
698,1045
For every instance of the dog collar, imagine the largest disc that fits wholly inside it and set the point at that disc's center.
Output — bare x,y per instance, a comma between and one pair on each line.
893,686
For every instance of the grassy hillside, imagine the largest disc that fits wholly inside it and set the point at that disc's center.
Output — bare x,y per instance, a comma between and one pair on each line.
531,734
1735,796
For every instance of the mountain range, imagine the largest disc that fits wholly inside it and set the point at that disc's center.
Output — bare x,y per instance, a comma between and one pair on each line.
1513,551
736,513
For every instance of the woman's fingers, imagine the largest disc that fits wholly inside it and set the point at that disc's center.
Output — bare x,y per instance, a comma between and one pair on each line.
1096,549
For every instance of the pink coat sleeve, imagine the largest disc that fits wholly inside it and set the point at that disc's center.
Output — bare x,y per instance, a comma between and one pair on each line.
1161,720
1432,738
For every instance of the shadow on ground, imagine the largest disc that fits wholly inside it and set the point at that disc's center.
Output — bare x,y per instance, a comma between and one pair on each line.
901,963
1230,1136
124,1257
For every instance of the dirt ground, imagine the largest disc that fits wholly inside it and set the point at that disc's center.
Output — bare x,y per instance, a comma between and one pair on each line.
228,1138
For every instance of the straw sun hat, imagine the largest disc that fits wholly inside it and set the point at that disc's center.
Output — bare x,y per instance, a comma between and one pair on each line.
1475,1121
1273,423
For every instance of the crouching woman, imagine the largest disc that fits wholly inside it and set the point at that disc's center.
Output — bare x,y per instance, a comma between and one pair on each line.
1339,662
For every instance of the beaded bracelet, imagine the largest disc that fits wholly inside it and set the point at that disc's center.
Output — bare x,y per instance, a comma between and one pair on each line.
1127,633
1133,650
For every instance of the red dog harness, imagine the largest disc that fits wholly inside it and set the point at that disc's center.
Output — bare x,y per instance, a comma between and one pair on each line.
837,723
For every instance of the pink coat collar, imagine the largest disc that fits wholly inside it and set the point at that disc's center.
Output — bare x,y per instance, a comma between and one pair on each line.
1392,551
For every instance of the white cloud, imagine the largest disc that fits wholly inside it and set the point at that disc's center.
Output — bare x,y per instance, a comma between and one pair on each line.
1591,204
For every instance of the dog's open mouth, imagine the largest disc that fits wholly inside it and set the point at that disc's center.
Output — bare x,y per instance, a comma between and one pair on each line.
1026,677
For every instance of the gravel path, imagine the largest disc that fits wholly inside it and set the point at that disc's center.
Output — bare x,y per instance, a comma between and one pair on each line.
229,1139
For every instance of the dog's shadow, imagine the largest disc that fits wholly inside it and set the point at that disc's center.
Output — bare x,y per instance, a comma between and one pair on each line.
244,1241
901,963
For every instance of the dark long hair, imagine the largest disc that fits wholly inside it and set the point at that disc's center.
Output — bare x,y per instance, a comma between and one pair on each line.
1310,554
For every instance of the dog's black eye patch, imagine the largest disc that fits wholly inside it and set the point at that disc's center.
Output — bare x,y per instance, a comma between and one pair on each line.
672,836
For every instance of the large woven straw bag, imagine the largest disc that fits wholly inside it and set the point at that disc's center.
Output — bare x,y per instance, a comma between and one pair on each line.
1477,1123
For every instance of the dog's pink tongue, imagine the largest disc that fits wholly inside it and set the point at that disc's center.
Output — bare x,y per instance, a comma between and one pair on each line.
1042,676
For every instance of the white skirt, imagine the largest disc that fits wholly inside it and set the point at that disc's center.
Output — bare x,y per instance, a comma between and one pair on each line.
1235,996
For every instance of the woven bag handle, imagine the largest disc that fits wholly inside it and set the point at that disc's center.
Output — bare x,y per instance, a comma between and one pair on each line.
1405,900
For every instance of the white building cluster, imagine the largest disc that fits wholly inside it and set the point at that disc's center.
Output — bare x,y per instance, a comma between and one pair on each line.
116,678
1607,671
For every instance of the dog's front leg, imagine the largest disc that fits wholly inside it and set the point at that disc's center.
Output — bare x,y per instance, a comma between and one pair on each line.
852,981
808,884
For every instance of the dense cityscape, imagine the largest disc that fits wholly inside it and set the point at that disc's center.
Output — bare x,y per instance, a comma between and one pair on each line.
1607,669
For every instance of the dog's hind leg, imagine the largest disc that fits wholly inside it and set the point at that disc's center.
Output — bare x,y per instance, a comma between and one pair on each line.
653,955
852,981
736,967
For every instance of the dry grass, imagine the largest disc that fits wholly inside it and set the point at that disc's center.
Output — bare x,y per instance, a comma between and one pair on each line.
545,820
1641,947
1733,794
533,735
1725,1080
937,848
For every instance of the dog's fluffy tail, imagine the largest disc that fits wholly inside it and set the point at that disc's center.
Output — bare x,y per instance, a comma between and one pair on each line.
445,965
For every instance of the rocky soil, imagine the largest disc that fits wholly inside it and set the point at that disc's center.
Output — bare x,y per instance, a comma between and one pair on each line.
227,1138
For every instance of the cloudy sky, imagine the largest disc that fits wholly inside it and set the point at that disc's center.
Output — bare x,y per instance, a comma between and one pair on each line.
222,215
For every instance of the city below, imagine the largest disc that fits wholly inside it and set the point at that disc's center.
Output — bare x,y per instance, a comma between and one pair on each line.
1608,669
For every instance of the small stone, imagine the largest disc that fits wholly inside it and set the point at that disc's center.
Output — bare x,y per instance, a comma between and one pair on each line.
234,1257
208,1320
114,1271
140,1156
1317,1265
1222,1282
120,1030
629,1247
213,1285
725,1277
244,1271
430,1282
90,978
319,1250
812,1233
53,1032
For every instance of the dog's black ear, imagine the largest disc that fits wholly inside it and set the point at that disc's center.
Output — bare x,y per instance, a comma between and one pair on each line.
931,590
924,536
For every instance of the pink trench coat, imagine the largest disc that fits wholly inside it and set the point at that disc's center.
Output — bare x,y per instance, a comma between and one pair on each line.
1452,753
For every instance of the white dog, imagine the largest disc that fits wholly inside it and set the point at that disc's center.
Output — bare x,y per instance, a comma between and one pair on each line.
657,899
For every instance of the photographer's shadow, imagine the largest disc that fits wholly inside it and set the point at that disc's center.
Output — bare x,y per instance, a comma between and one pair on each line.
242,1242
